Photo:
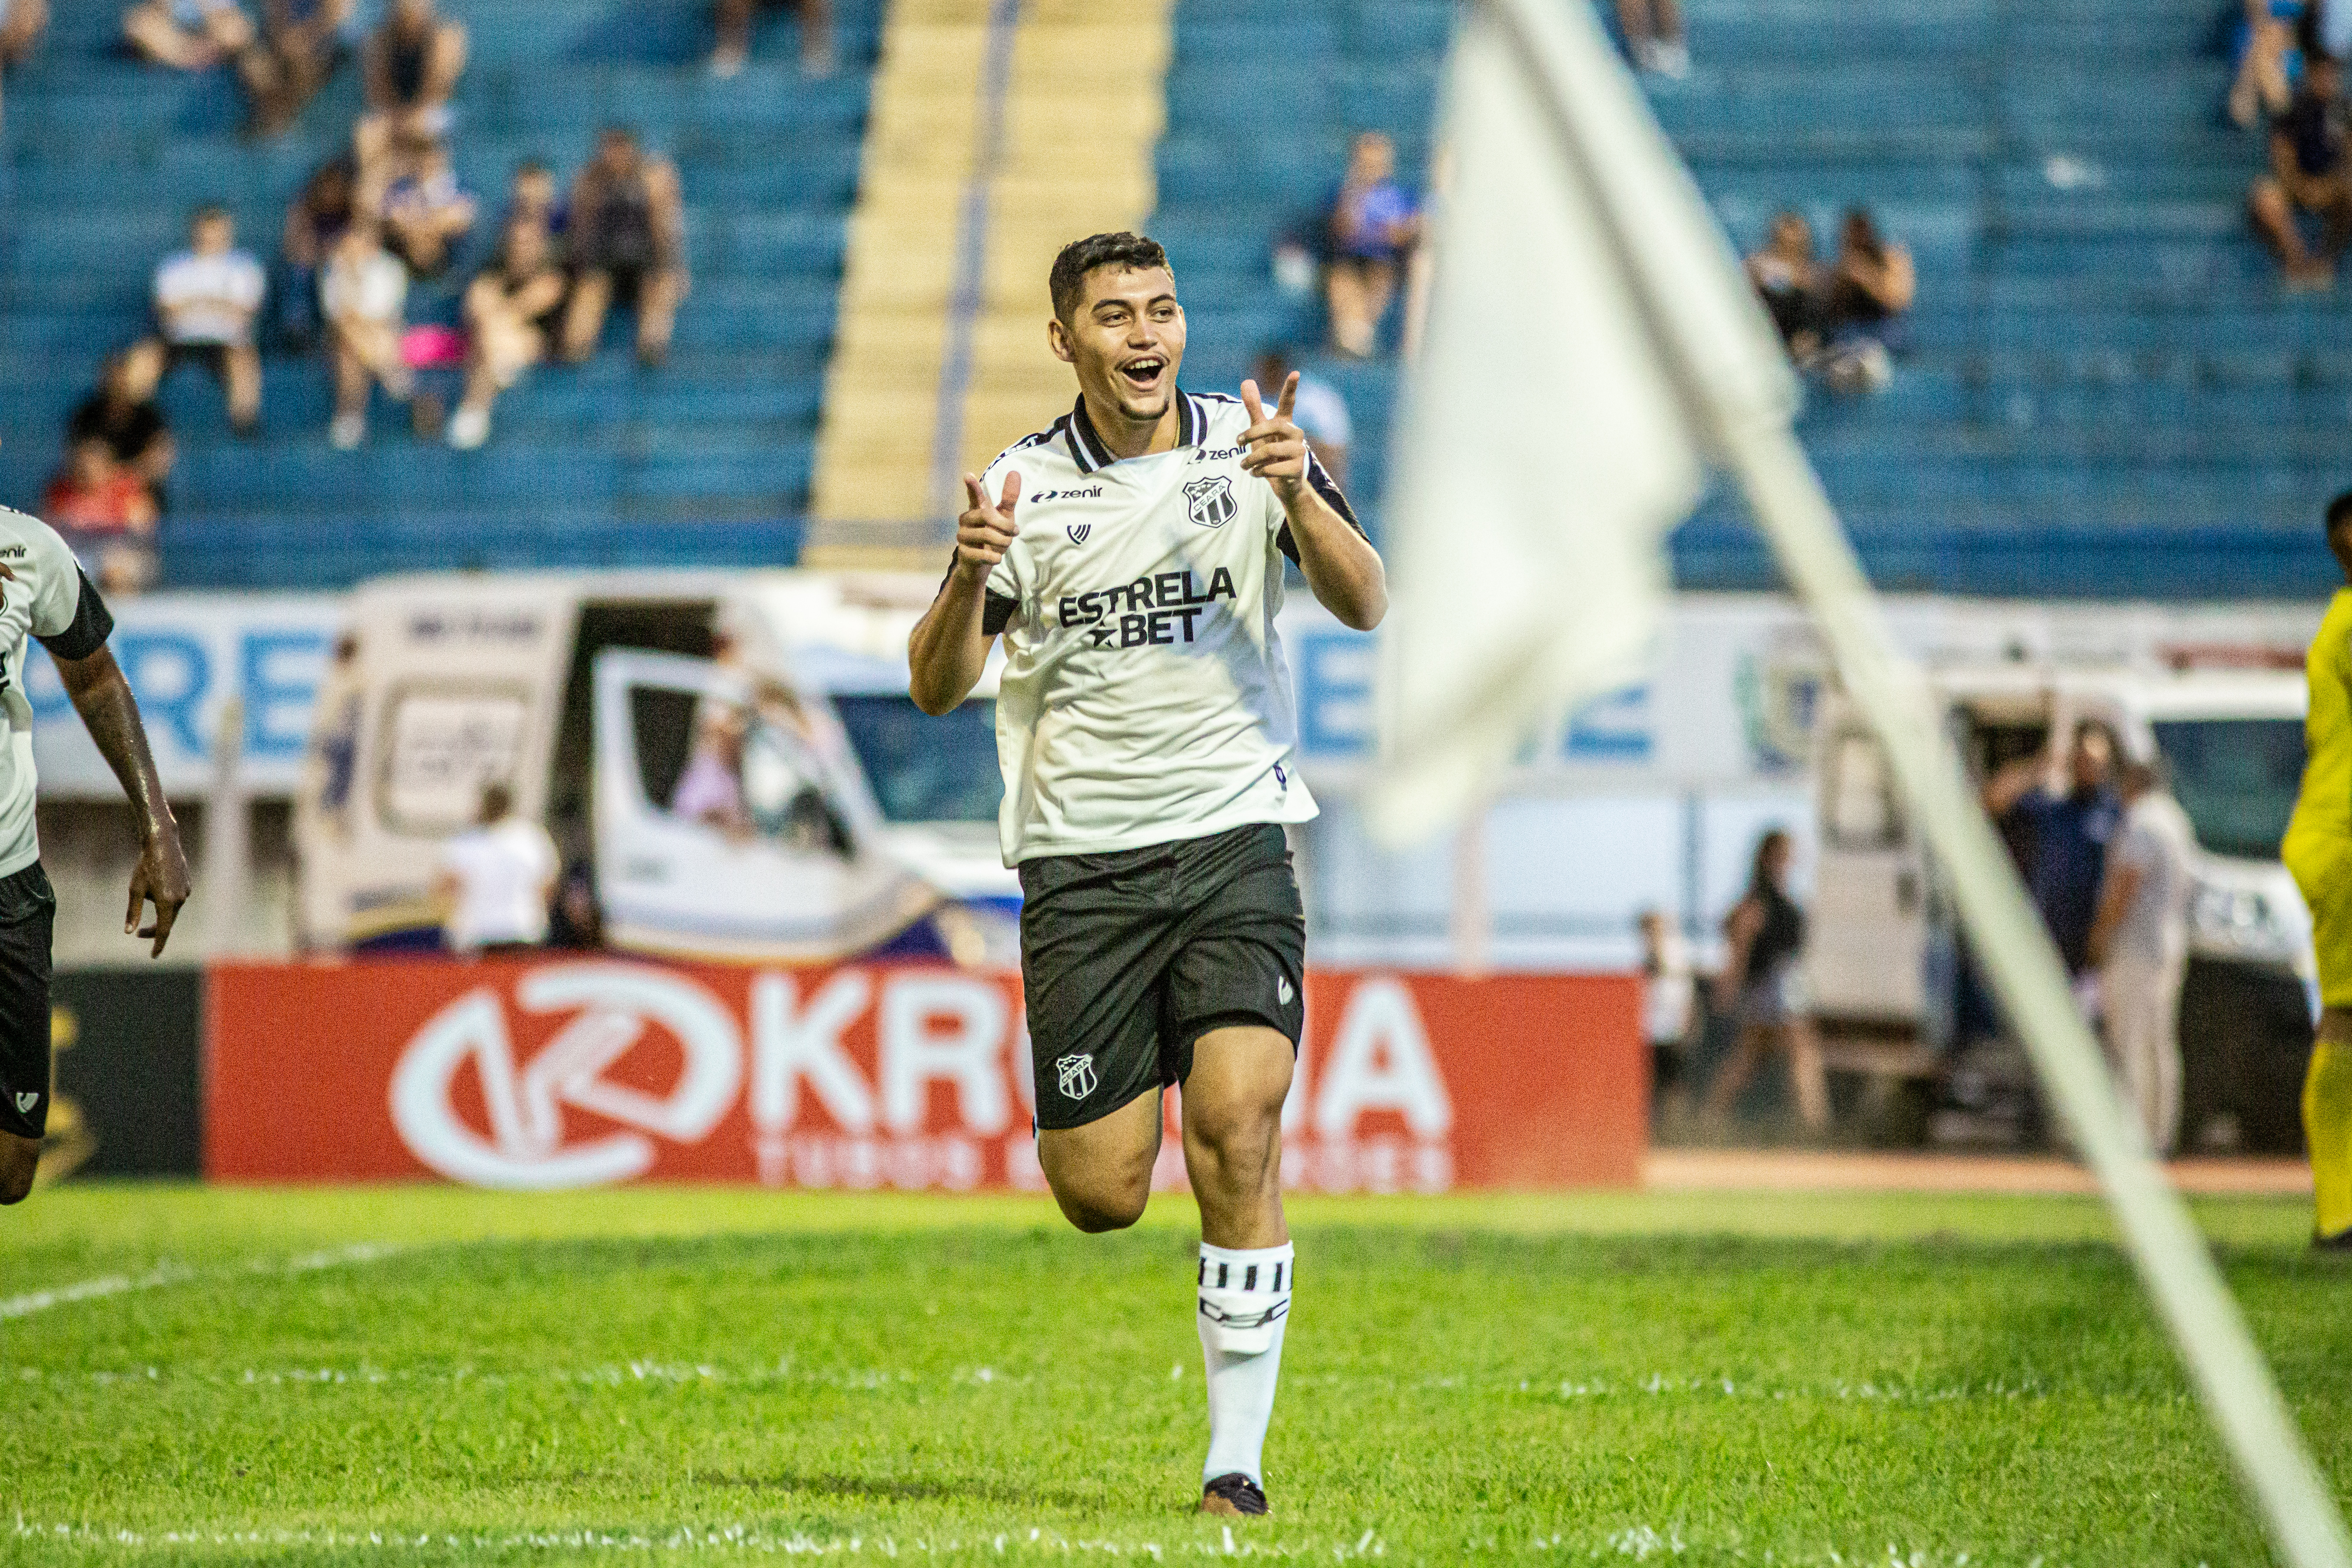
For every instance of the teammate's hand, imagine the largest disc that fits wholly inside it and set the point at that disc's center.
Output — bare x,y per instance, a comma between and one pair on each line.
1275,449
161,877
984,532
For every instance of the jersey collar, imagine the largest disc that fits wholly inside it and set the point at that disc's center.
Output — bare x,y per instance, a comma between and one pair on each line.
1087,449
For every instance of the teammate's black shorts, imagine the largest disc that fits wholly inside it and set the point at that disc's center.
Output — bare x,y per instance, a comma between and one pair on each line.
27,913
1126,959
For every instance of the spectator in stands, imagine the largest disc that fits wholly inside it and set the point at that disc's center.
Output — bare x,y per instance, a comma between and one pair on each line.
1320,411
22,23
512,307
2264,59
122,414
106,515
1787,279
2139,940
2064,835
1654,35
1765,935
291,58
734,18
206,300
187,34
627,242
315,220
2309,173
532,193
411,63
425,214
1374,222
1868,290
362,294
495,879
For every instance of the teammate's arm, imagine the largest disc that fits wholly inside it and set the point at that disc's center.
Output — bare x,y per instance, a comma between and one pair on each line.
102,697
1339,562
948,647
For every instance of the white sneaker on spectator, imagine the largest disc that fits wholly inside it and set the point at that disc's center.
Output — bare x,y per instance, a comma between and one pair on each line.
346,431
469,427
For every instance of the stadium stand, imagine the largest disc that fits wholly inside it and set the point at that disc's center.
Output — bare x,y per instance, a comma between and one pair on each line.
706,460
2107,394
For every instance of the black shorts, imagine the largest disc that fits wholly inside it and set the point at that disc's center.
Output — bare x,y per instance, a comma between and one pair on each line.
1126,959
27,912
213,357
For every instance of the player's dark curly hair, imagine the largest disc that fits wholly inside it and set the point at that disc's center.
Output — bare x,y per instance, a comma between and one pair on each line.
2339,512
1129,252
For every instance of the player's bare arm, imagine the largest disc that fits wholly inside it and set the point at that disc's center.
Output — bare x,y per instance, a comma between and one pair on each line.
1339,562
949,648
102,697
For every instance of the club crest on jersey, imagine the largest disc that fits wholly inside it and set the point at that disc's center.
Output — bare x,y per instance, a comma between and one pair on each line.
1210,500
1077,531
1076,1076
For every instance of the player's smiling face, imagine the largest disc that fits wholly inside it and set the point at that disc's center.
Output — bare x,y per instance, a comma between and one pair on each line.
1126,339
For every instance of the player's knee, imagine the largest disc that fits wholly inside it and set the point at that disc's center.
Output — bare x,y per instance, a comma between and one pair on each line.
17,1167
1098,1204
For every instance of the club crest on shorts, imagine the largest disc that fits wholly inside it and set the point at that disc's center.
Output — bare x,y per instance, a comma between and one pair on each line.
26,1099
1282,989
1209,501
1076,1076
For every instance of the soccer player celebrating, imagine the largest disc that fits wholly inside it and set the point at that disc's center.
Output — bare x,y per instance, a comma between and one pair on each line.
2318,851
44,593
1145,728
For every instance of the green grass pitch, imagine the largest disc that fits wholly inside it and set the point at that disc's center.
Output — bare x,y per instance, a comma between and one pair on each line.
428,1375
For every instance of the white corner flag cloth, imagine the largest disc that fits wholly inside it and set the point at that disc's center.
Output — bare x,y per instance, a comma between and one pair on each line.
1545,453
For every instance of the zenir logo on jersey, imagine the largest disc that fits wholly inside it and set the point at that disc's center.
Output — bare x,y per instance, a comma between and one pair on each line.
1077,531
1210,500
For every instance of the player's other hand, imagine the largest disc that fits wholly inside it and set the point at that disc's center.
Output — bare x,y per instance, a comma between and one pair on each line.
1273,448
984,532
159,878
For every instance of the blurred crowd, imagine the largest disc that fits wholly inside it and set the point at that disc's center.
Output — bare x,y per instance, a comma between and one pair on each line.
527,281
2287,75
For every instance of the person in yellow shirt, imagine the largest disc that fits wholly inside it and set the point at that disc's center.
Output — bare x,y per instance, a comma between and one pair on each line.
2318,851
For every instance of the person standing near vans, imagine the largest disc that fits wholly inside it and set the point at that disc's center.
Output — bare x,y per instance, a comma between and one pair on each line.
496,879
2318,851
2140,942
1765,936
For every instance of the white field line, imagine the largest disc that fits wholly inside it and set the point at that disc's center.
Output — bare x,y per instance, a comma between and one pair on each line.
162,1274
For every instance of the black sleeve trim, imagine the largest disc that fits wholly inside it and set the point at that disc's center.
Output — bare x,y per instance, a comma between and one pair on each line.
89,629
997,614
1329,489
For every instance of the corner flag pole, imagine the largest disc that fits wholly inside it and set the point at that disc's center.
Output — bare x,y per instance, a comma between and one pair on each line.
1558,47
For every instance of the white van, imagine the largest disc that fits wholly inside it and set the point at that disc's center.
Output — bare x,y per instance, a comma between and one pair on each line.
823,823
1879,957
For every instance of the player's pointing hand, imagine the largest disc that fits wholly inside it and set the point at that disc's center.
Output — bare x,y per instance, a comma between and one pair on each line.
1274,448
984,532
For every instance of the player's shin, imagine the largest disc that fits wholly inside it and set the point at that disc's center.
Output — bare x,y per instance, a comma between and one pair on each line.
1245,1305
2327,1131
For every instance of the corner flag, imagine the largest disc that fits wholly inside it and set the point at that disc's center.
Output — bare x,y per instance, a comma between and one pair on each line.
1590,347
1546,450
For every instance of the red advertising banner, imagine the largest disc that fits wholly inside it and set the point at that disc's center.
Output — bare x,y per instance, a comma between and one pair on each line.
564,1072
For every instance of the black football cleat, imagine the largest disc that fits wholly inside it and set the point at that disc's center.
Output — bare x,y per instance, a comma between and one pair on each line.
2340,1242
1233,1495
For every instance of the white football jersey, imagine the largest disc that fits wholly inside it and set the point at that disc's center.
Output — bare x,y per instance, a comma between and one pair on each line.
1145,699
45,597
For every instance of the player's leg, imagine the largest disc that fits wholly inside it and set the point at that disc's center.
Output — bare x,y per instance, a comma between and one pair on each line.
1100,1174
1235,1009
27,911
2321,867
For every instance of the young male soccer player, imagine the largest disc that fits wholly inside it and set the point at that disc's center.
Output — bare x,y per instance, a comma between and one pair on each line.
1145,729
44,593
2318,850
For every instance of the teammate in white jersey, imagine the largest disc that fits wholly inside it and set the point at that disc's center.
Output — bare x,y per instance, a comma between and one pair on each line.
1145,729
44,593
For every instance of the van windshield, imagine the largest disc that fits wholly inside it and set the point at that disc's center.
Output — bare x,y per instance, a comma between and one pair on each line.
924,769
2236,778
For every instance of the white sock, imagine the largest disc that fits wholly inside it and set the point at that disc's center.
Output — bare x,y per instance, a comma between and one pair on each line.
1245,1305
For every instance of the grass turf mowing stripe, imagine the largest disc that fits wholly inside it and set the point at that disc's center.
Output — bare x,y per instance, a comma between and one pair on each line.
164,1274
